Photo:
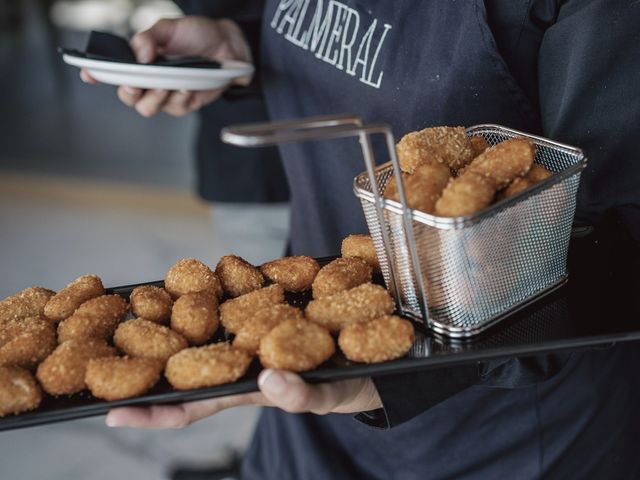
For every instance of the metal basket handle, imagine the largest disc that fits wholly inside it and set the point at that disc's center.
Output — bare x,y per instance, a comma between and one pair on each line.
342,126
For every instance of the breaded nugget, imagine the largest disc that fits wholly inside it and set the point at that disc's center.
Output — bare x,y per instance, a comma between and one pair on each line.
238,276
116,378
447,145
19,391
361,246
422,188
143,338
379,340
29,302
295,274
95,318
195,316
234,312
62,372
504,162
464,195
296,345
26,342
262,322
207,366
359,304
339,275
537,173
65,302
151,303
190,275
478,144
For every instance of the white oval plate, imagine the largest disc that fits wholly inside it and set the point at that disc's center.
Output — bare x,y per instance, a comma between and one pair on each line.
161,77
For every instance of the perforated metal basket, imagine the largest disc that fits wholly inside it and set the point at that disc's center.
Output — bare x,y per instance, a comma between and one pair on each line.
457,275
474,270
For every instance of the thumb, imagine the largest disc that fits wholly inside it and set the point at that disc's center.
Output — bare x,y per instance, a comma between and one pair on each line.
147,44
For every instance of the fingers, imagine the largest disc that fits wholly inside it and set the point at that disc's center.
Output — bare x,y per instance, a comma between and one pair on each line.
147,103
178,103
178,416
129,96
289,392
145,45
86,77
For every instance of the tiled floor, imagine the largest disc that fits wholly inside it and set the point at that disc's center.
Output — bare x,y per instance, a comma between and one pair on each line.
54,229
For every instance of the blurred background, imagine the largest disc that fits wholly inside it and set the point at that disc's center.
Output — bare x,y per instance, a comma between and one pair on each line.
89,186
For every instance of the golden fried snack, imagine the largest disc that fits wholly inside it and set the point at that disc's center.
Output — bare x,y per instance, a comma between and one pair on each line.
195,316
339,275
62,372
190,275
29,302
536,174
296,345
65,302
262,322
151,303
504,162
95,318
359,304
207,366
422,188
143,338
379,340
234,312
26,342
478,144
19,391
238,276
117,378
295,274
447,145
465,195
361,246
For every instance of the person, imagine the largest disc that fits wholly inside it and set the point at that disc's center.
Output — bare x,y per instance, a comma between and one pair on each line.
564,69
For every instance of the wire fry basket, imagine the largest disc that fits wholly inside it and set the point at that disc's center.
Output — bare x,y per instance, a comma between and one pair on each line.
479,268
457,275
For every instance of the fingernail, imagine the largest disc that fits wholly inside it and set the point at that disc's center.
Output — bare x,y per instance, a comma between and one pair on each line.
272,382
110,422
145,56
128,90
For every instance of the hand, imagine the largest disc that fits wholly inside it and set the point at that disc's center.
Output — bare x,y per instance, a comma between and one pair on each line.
193,36
278,388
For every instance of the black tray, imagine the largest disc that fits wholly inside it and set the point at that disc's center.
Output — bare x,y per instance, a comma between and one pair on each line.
599,305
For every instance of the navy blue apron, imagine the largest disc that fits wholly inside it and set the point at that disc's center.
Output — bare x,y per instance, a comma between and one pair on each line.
415,64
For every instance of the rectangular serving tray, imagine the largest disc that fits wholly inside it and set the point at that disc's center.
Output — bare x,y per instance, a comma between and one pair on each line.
583,313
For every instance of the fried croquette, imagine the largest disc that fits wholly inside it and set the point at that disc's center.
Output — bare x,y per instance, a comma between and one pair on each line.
262,322
359,304
207,366
151,303
361,246
190,275
238,276
447,145
29,302
95,318
478,144
195,316
504,162
26,342
117,378
536,174
143,338
19,391
295,274
296,345
379,340
464,195
62,372
65,302
422,188
234,312
339,275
